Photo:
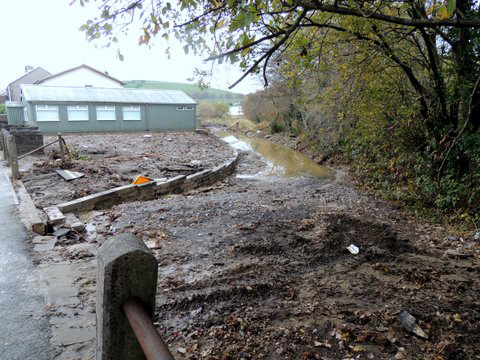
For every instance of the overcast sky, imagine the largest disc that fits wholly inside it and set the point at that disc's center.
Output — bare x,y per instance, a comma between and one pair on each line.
45,33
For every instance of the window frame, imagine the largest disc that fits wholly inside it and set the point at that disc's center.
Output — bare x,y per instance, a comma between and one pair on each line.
180,108
189,108
106,107
131,108
48,108
77,109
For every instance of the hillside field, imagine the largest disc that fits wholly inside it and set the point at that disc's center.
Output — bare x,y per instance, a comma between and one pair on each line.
191,90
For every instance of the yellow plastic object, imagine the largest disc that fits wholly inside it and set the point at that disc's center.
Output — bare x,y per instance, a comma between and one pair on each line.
141,180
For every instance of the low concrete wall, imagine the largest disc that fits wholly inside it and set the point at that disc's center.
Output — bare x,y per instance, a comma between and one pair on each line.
27,138
153,189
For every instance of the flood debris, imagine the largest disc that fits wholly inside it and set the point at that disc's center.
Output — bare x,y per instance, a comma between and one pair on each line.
70,175
61,232
112,160
140,179
54,215
409,323
72,221
353,249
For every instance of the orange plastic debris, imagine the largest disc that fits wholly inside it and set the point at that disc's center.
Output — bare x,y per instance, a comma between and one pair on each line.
141,180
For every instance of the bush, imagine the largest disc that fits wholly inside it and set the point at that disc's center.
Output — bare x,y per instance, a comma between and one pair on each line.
3,109
215,110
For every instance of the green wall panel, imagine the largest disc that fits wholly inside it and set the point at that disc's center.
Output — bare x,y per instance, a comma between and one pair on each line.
153,117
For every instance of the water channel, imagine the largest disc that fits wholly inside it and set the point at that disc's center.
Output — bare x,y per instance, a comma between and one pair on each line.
280,159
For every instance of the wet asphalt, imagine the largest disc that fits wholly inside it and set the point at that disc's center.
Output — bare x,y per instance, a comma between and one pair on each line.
24,330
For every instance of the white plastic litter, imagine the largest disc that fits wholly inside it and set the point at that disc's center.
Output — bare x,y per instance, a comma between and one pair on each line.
353,249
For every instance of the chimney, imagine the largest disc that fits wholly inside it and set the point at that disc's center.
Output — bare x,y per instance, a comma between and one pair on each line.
28,68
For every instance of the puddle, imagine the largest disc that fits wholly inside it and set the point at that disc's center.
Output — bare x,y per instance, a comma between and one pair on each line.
280,159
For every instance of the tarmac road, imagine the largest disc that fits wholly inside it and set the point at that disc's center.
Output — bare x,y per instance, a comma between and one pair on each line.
24,328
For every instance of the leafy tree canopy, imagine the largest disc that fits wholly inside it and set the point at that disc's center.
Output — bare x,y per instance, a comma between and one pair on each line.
251,31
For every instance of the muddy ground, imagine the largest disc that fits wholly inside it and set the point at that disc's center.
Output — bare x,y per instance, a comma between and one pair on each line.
110,160
257,268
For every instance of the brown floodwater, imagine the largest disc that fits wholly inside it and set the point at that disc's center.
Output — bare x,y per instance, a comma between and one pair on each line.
280,159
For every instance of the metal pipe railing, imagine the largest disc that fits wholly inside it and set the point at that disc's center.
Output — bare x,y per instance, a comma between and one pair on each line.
150,340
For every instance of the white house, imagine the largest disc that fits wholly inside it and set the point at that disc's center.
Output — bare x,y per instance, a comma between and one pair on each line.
82,75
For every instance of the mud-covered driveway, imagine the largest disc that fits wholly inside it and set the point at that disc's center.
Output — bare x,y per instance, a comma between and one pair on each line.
257,268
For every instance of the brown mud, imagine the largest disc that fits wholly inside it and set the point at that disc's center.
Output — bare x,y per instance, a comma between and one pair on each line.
111,160
257,268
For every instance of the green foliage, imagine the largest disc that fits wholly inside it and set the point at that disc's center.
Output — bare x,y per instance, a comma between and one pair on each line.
3,109
212,110
275,127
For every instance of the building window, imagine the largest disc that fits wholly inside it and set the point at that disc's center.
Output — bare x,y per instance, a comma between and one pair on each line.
77,113
106,113
189,108
47,112
180,108
131,113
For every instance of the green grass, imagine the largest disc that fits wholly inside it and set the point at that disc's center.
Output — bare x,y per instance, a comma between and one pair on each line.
191,90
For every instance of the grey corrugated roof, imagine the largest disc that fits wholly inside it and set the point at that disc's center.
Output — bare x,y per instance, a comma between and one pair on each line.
40,93
11,104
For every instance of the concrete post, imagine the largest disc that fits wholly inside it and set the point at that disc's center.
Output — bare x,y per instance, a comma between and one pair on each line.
5,147
126,268
12,157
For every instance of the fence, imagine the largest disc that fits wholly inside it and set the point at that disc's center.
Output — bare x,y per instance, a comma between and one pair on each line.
126,287
10,154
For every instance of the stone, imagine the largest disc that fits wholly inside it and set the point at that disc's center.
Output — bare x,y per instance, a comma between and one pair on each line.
74,223
452,253
54,215
476,236
81,250
44,243
126,268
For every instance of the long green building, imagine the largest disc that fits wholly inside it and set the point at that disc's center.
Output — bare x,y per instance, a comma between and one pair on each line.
62,109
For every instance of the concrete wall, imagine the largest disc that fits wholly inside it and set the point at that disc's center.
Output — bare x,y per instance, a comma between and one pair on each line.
27,138
3,120
153,117
81,77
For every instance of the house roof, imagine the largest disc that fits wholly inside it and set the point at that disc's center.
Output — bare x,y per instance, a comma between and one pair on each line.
38,93
28,73
79,67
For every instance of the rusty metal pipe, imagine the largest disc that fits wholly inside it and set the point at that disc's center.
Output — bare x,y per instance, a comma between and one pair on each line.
37,149
150,340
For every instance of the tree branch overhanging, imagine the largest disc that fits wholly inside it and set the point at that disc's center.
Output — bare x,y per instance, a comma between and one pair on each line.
270,51
419,23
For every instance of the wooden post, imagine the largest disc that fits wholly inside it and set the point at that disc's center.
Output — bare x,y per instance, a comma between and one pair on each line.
12,157
62,148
